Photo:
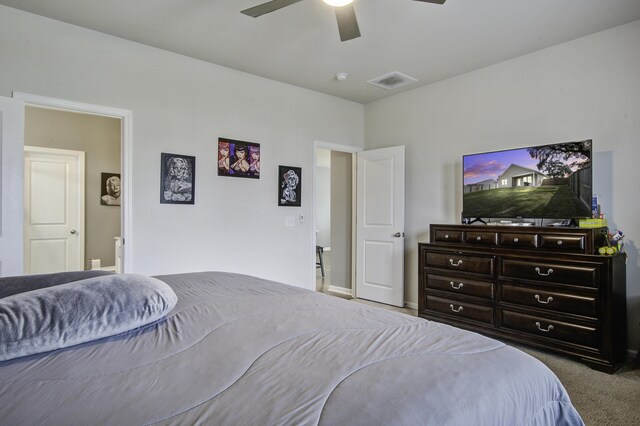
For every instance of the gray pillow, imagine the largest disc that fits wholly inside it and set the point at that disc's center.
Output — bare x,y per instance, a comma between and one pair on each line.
69,314
14,285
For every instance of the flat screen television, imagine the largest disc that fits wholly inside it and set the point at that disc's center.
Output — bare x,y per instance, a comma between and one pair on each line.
538,182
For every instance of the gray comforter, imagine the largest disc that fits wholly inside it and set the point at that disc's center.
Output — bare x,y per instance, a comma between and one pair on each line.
238,350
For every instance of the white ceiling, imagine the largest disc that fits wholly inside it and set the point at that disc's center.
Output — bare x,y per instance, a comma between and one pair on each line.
300,44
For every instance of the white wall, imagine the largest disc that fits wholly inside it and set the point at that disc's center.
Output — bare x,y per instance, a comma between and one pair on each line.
11,183
182,105
586,88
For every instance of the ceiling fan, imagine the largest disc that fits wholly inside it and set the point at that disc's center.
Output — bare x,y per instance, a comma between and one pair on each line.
345,14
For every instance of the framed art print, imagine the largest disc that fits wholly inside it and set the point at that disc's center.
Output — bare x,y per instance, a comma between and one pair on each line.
289,186
177,179
110,189
238,158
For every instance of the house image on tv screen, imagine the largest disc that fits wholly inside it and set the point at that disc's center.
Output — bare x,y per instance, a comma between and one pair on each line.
520,176
512,177
550,181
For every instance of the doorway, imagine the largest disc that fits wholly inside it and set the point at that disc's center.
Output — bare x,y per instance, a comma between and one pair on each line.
124,247
375,247
333,220
96,226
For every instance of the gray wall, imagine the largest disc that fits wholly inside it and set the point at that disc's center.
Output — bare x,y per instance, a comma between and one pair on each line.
323,197
99,138
588,88
341,218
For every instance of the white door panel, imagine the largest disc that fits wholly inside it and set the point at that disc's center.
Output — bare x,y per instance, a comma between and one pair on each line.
48,181
378,274
54,210
48,256
380,226
11,151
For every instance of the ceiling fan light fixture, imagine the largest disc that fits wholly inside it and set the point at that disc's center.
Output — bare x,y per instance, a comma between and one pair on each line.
338,3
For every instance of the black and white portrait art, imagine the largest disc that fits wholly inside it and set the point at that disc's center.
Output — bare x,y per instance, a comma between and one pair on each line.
289,186
110,189
177,179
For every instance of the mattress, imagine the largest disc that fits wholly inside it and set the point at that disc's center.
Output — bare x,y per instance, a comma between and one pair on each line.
240,350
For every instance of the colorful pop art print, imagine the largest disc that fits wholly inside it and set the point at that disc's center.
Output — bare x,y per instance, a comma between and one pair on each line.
238,158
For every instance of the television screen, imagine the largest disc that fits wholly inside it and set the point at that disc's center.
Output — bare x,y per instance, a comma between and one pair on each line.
548,181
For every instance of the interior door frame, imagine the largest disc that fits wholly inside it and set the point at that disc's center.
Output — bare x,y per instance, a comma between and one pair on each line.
312,262
126,138
80,157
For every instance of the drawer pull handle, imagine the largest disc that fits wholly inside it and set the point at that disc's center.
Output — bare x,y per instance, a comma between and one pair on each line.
559,242
549,328
549,272
453,286
446,236
515,240
479,238
460,308
549,299
458,263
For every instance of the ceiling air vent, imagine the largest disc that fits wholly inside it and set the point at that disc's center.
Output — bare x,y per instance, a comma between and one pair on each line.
391,81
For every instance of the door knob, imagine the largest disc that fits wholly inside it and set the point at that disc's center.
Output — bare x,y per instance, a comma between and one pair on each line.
398,234
73,231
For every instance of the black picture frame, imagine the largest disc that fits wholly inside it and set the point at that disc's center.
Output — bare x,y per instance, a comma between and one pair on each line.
110,189
238,158
289,186
177,179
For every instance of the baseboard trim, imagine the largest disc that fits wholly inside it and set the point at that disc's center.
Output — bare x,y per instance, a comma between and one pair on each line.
411,305
341,290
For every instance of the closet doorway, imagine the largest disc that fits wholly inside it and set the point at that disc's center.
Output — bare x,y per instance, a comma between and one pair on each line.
333,213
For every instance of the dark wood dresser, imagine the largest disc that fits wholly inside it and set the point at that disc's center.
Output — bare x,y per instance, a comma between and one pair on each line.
538,286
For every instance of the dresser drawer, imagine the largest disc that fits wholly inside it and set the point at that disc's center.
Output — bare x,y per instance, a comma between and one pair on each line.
447,236
518,240
551,329
461,286
461,263
563,242
551,299
460,310
566,273
483,238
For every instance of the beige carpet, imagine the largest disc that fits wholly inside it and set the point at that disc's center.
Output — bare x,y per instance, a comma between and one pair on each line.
601,399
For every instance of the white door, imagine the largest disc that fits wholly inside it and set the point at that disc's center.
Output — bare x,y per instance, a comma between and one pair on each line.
53,210
380,226
11,151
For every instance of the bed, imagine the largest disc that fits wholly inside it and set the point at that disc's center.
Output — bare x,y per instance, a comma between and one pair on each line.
240,350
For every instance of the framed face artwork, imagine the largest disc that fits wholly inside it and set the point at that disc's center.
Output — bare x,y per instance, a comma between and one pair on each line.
110,189
177,179
289,186
238,158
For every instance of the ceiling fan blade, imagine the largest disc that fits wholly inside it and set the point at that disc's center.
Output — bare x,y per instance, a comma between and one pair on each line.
433,1
267,7
347,22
